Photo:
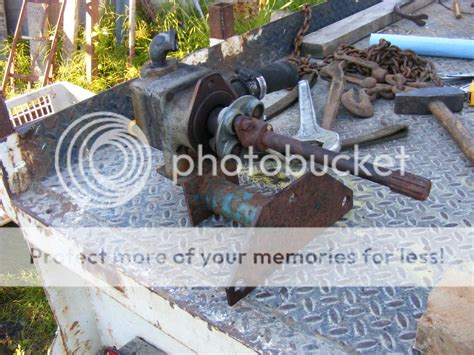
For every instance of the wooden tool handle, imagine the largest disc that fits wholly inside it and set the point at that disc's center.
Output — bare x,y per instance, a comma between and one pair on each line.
456,129
457,9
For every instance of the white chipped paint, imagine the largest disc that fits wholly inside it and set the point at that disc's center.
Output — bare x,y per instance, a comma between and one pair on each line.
253,36
232,46
215,41
7,212
229,47
17,176
197,57
148,314
57,347
4,219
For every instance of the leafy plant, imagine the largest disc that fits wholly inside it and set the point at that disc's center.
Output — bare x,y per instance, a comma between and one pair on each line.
112,57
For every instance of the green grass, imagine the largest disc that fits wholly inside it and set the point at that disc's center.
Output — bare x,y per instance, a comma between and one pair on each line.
25,312
113,67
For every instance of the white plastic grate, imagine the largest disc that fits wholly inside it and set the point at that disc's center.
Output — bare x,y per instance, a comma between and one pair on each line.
31,110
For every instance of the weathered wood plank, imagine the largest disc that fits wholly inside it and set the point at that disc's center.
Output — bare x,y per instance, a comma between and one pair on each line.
447,326
3,22
71,27
132,9
37,20
92,18
353,28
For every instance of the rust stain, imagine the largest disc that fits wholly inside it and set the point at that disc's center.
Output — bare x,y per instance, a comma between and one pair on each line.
63,337
108,274
120,289
74,325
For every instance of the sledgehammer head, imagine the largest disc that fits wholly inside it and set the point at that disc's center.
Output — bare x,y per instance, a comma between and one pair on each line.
415,102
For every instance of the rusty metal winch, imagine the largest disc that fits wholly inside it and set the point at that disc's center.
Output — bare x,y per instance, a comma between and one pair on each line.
184,108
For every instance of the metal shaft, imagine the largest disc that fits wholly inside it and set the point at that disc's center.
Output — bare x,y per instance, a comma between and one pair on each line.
253,132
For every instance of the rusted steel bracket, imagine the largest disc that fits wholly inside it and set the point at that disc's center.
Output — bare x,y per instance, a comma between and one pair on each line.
310,201
235,294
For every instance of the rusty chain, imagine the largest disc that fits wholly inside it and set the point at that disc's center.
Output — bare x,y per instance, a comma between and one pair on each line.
304,64
391,58
414,68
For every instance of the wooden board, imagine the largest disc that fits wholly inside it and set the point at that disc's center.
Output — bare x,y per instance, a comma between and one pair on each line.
37,21
447,326
92,18
3,22
353,28
71,27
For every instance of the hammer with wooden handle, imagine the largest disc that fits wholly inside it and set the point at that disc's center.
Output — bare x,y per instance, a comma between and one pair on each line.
441,102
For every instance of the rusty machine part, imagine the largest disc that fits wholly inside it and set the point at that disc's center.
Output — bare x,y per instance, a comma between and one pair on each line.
186,109
420,19
258,134
334,71
310,201
182,108
441,102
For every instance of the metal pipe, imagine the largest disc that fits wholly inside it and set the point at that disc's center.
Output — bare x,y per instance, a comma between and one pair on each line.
256,133
230,200
132,9
161,45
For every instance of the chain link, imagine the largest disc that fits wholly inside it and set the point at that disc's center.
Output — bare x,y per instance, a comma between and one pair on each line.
396,61
304,64
414,68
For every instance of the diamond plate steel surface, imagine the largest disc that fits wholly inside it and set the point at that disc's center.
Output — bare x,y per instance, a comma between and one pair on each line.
276,320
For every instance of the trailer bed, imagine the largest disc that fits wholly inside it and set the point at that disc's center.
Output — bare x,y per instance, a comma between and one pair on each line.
268,320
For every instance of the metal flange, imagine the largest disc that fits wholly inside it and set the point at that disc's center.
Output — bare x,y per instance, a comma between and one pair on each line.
225,139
